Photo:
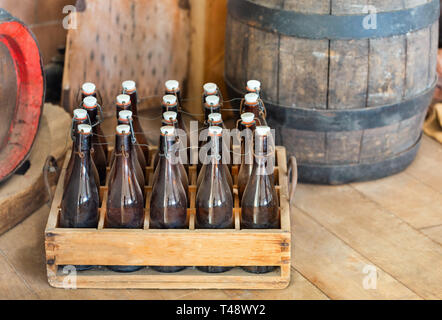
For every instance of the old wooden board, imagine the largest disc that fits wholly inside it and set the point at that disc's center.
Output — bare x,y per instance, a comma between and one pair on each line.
23,194
145,41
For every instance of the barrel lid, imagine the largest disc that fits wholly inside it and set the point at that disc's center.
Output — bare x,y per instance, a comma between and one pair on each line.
125,114
262,130
253,85
84,128
215,131
129,85
170,100
167,130
247,117
212,100
170,115
251,98
90,102
172,85
210,88
123,99
80,114
215,117
123,129
88,88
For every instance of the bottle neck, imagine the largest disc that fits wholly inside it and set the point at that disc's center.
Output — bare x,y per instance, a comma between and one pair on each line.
211,109
122,143
123,108
93,113
166,145
83,143
166,108
133,101
253,108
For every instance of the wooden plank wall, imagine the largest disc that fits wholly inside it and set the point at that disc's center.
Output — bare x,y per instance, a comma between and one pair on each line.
142,40
44,17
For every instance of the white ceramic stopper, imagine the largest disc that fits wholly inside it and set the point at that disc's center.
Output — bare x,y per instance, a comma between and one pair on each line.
247,117
210,88
172,85
167,130
262,130
129,85
215,117
90,102
123,99
125,114
80,114
253,85
215,131
88,88
84,128
170,100
170,115
123,129
251,98
212,100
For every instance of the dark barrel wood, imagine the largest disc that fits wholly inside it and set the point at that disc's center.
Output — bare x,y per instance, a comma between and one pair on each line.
21,93
347,100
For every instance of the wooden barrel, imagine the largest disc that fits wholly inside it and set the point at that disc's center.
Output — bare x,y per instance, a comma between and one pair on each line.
346,85
21,93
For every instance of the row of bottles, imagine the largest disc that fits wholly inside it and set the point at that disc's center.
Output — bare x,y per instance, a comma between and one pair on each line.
170,198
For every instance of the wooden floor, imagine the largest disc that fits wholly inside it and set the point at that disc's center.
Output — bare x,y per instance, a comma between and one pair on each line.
390,228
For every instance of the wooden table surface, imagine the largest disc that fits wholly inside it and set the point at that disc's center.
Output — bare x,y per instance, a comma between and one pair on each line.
385,234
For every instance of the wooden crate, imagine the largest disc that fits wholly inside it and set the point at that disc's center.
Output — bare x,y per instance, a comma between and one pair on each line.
185,247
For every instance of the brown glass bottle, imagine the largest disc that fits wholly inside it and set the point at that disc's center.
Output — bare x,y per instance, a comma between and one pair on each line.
171,104
215,120
89,89
214,199
125,115
252,104
125,204
80,201
247,127
130,88
173,88
177,163
260,204
168,204
99,153
80,117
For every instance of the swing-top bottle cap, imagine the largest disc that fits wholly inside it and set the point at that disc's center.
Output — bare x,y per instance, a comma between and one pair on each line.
129,86
215,131
125,115
210,88
262,130
84,129
251,98
167,131
172,85
123,129
170,100
248,117
80,114
253,85
90,102
215,117
88,88
212,100
170,115
123,100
